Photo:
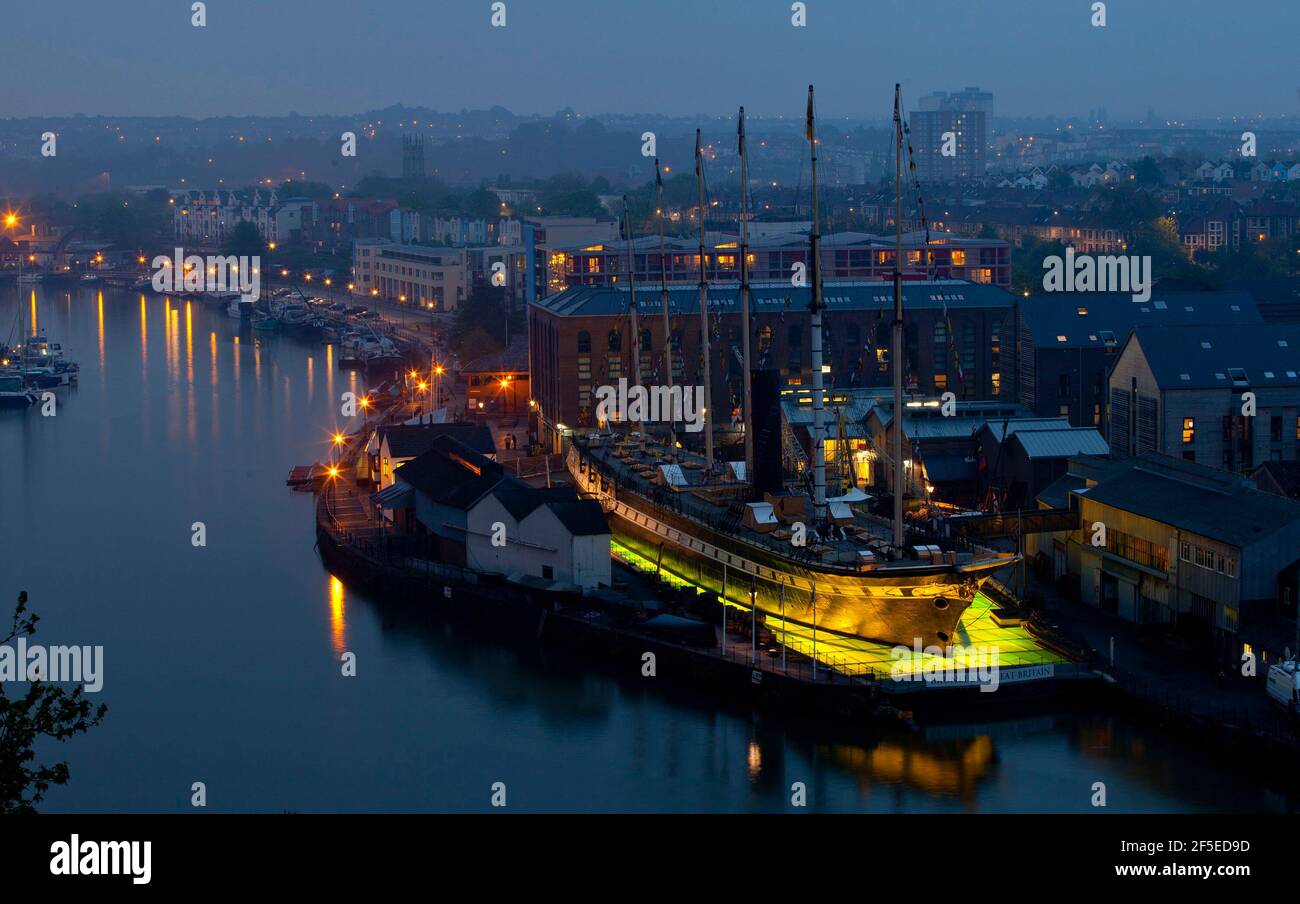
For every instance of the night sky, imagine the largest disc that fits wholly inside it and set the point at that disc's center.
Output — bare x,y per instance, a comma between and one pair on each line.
1184,58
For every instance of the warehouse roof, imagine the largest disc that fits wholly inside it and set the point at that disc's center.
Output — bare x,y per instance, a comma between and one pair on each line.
1096,319
1196,498
1061,442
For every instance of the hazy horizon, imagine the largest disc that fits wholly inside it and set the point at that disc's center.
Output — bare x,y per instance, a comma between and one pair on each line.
613,57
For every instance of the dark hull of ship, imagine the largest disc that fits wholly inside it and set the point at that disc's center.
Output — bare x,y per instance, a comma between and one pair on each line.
898,605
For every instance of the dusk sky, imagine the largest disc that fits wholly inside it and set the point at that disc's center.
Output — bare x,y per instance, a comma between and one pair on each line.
1184,58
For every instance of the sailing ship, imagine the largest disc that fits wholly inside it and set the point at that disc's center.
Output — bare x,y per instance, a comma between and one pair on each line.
856,575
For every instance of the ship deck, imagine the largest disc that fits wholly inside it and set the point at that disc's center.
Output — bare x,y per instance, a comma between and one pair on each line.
634,466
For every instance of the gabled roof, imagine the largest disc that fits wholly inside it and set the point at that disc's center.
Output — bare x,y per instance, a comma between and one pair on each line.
1061,442
1003,428
411,440
521,501
1219,356
582,517
453,474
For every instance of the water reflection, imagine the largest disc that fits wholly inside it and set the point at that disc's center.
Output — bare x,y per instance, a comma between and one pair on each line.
338,622
443,700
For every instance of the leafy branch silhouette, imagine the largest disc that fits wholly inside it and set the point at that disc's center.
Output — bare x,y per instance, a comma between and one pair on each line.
44,711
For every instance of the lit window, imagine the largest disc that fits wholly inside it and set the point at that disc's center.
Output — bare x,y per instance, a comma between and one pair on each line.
1189,430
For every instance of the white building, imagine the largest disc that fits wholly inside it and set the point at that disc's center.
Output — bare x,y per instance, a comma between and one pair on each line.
205,219
478,517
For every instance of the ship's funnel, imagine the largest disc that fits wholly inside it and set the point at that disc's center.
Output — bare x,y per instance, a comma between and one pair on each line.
765,421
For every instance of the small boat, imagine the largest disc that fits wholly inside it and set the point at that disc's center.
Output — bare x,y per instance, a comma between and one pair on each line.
31,277
89,278
264,321
13,394
144,282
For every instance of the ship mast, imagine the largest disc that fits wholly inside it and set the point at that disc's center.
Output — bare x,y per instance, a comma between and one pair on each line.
897,364
815,309
704,314
663,291
745,401
631,309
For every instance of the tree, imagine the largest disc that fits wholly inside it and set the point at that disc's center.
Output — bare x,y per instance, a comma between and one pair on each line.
482,321
1146,172
45,711
244,240
1060,181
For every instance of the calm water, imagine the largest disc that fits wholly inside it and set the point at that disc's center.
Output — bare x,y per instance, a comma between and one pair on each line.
221,663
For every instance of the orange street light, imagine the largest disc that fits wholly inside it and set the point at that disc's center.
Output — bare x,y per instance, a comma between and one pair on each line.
334,472
338,439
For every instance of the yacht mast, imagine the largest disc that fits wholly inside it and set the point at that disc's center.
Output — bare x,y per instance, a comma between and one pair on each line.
819,415
704,314
631,309
746,399
663,291
897,364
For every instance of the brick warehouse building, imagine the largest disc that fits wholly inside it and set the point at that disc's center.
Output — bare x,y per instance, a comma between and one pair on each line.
845,255
958,337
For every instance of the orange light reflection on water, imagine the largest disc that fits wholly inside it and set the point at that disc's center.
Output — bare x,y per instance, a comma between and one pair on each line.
338,622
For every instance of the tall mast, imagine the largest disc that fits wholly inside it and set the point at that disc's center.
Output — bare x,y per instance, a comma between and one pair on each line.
704,314
819,414
663,291
748,415
897,363
631,309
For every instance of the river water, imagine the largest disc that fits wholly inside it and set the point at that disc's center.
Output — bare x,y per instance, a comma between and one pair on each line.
221,662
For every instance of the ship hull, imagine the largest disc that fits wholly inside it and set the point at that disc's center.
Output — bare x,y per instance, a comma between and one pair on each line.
921,604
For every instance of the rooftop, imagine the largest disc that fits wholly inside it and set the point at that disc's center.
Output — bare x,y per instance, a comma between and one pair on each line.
453,474
1060,442
774,297
1095,319
1221,356
411,440
1195,498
